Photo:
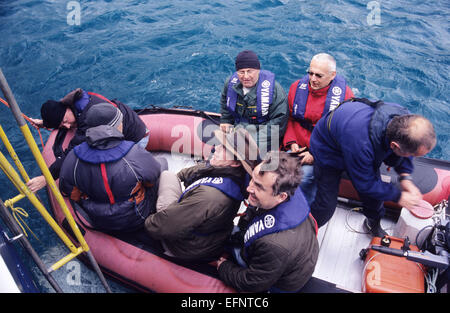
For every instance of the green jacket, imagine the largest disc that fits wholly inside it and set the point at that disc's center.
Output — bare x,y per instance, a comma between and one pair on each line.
197,227
246,107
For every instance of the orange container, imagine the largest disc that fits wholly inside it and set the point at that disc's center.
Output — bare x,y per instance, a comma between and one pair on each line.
385,273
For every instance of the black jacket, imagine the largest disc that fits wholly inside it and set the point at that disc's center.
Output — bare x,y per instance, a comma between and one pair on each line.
134,128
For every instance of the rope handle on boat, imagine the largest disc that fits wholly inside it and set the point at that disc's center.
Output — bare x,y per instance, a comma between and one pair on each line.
29,120
17,213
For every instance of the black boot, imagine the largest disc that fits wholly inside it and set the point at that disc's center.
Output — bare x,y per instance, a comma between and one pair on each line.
373,227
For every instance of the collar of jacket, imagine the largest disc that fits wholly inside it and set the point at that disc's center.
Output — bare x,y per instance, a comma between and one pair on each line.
319,92
251,94
286,215
377,127
205,169
103,137
96,156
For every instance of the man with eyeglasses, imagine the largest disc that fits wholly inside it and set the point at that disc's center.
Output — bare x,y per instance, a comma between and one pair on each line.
251,98
311,97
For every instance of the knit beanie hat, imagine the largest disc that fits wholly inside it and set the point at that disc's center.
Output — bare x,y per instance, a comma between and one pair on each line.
52,113
247,59
103,114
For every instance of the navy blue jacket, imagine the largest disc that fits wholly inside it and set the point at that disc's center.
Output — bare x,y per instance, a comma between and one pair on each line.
114,180
355,141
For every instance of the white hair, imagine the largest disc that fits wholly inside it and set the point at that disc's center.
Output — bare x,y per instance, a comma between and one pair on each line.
325,57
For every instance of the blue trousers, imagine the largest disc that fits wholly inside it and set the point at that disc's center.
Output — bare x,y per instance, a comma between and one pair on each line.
308,183
325,201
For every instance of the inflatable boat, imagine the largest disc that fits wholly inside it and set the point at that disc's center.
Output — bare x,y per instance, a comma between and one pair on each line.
183,136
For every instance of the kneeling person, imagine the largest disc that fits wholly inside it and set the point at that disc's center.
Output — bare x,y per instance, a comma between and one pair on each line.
113,179
198,222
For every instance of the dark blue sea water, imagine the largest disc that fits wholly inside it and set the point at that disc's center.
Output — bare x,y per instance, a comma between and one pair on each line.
179,52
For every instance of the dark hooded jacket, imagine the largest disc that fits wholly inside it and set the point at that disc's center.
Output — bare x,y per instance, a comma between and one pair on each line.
114,180
198,226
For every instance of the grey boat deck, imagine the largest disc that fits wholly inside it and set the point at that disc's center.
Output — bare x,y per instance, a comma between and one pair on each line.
341,240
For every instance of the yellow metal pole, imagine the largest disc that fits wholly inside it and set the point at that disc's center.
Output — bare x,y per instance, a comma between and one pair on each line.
52,185
50,181
23,189
14,200
39,159
13,155
65,260
9,177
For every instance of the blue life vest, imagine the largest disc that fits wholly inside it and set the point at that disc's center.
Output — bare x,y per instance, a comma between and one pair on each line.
82,103
225,184
264,96
95,156
285,216
335,95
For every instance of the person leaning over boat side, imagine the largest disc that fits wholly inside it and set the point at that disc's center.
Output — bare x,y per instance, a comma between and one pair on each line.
251,98
279,246
311,97
357,137
114,180
197,223
70,112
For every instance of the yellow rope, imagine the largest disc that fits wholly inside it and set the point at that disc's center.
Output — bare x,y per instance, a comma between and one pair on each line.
18,213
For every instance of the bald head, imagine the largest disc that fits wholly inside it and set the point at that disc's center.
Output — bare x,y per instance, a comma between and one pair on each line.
413,134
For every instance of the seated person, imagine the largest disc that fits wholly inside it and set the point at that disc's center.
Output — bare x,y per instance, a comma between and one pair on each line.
310,98
70,112
279,245
113,179
196,224
253,99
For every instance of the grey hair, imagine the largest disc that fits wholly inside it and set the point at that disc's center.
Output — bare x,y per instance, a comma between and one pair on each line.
325,57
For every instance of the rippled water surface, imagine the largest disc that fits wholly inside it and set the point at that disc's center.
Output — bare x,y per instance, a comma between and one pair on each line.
179,52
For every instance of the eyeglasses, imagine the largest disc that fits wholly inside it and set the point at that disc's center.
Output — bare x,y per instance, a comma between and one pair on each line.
312,74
